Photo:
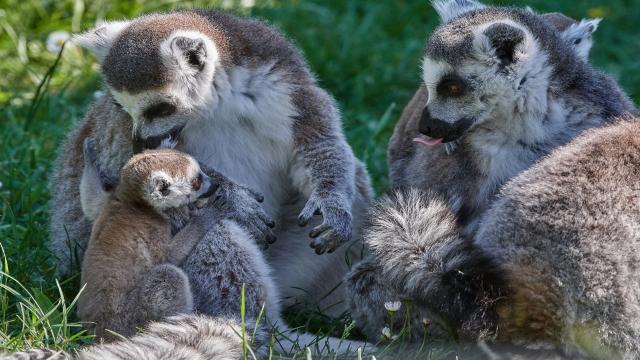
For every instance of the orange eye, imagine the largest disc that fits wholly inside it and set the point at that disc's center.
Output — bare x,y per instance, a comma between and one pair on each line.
197,182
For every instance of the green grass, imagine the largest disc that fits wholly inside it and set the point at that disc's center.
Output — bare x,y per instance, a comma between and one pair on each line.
366,53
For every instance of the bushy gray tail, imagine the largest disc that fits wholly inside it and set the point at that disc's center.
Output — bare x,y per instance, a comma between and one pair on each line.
195,337
416,240
37,354
178,337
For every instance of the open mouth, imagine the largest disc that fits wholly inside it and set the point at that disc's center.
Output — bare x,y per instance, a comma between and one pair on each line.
153,142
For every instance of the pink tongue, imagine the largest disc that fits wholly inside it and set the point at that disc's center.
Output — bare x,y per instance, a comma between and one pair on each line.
428,141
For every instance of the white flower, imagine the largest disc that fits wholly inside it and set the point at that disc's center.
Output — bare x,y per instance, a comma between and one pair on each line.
247,3
425,321
56,39
386,332
392,306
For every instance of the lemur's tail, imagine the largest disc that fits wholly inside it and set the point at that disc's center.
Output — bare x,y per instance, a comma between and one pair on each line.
415,237
37,354
178,337
197,337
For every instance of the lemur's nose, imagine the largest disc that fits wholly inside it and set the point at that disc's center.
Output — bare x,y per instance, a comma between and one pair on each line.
432,127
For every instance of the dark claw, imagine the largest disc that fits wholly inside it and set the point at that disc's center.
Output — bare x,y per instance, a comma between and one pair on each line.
271,224
319,251
302,222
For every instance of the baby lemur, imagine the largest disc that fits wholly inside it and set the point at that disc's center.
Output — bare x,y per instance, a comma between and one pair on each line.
126,273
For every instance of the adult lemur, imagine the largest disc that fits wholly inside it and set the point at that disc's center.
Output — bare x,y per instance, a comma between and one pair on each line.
239,97
502,89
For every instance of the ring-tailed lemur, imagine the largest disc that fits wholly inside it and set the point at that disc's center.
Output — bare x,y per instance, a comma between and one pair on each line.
239,97
502,88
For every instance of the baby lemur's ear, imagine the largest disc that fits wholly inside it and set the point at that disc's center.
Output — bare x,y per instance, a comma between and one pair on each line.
451,9
99,39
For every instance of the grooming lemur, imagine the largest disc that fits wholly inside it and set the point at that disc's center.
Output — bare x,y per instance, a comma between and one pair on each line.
238,97
502,88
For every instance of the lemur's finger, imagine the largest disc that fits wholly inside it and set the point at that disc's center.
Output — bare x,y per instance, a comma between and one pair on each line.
319,230
264,217
255,194
328,242
259,197
305,215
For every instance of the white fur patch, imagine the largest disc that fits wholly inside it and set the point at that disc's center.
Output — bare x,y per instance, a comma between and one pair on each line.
432,72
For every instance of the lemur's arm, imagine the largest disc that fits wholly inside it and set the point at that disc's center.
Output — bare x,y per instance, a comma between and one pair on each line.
95,184
324,167
230,202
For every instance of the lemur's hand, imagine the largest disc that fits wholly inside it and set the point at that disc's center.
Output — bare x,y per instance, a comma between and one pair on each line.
335,229
242,205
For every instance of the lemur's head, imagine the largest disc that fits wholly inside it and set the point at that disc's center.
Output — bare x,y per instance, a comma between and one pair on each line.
158,68
164,179
484,63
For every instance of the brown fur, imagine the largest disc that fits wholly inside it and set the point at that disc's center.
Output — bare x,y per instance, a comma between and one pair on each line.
129,238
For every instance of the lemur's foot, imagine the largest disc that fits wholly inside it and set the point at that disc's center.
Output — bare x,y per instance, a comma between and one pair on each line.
335,229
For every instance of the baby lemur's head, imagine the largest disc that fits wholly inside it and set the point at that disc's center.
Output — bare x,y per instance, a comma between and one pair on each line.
164,179
159,68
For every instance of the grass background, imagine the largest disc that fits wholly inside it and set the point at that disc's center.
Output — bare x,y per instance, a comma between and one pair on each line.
366,53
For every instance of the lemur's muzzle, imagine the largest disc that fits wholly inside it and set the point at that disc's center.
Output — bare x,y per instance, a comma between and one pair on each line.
440,129
153,142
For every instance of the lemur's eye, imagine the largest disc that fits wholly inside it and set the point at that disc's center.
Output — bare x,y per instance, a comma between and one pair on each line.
451,86
197,182
159,110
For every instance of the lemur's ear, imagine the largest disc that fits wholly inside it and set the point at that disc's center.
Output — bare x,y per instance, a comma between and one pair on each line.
191,52
99,39
503,40
579,36
451,9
